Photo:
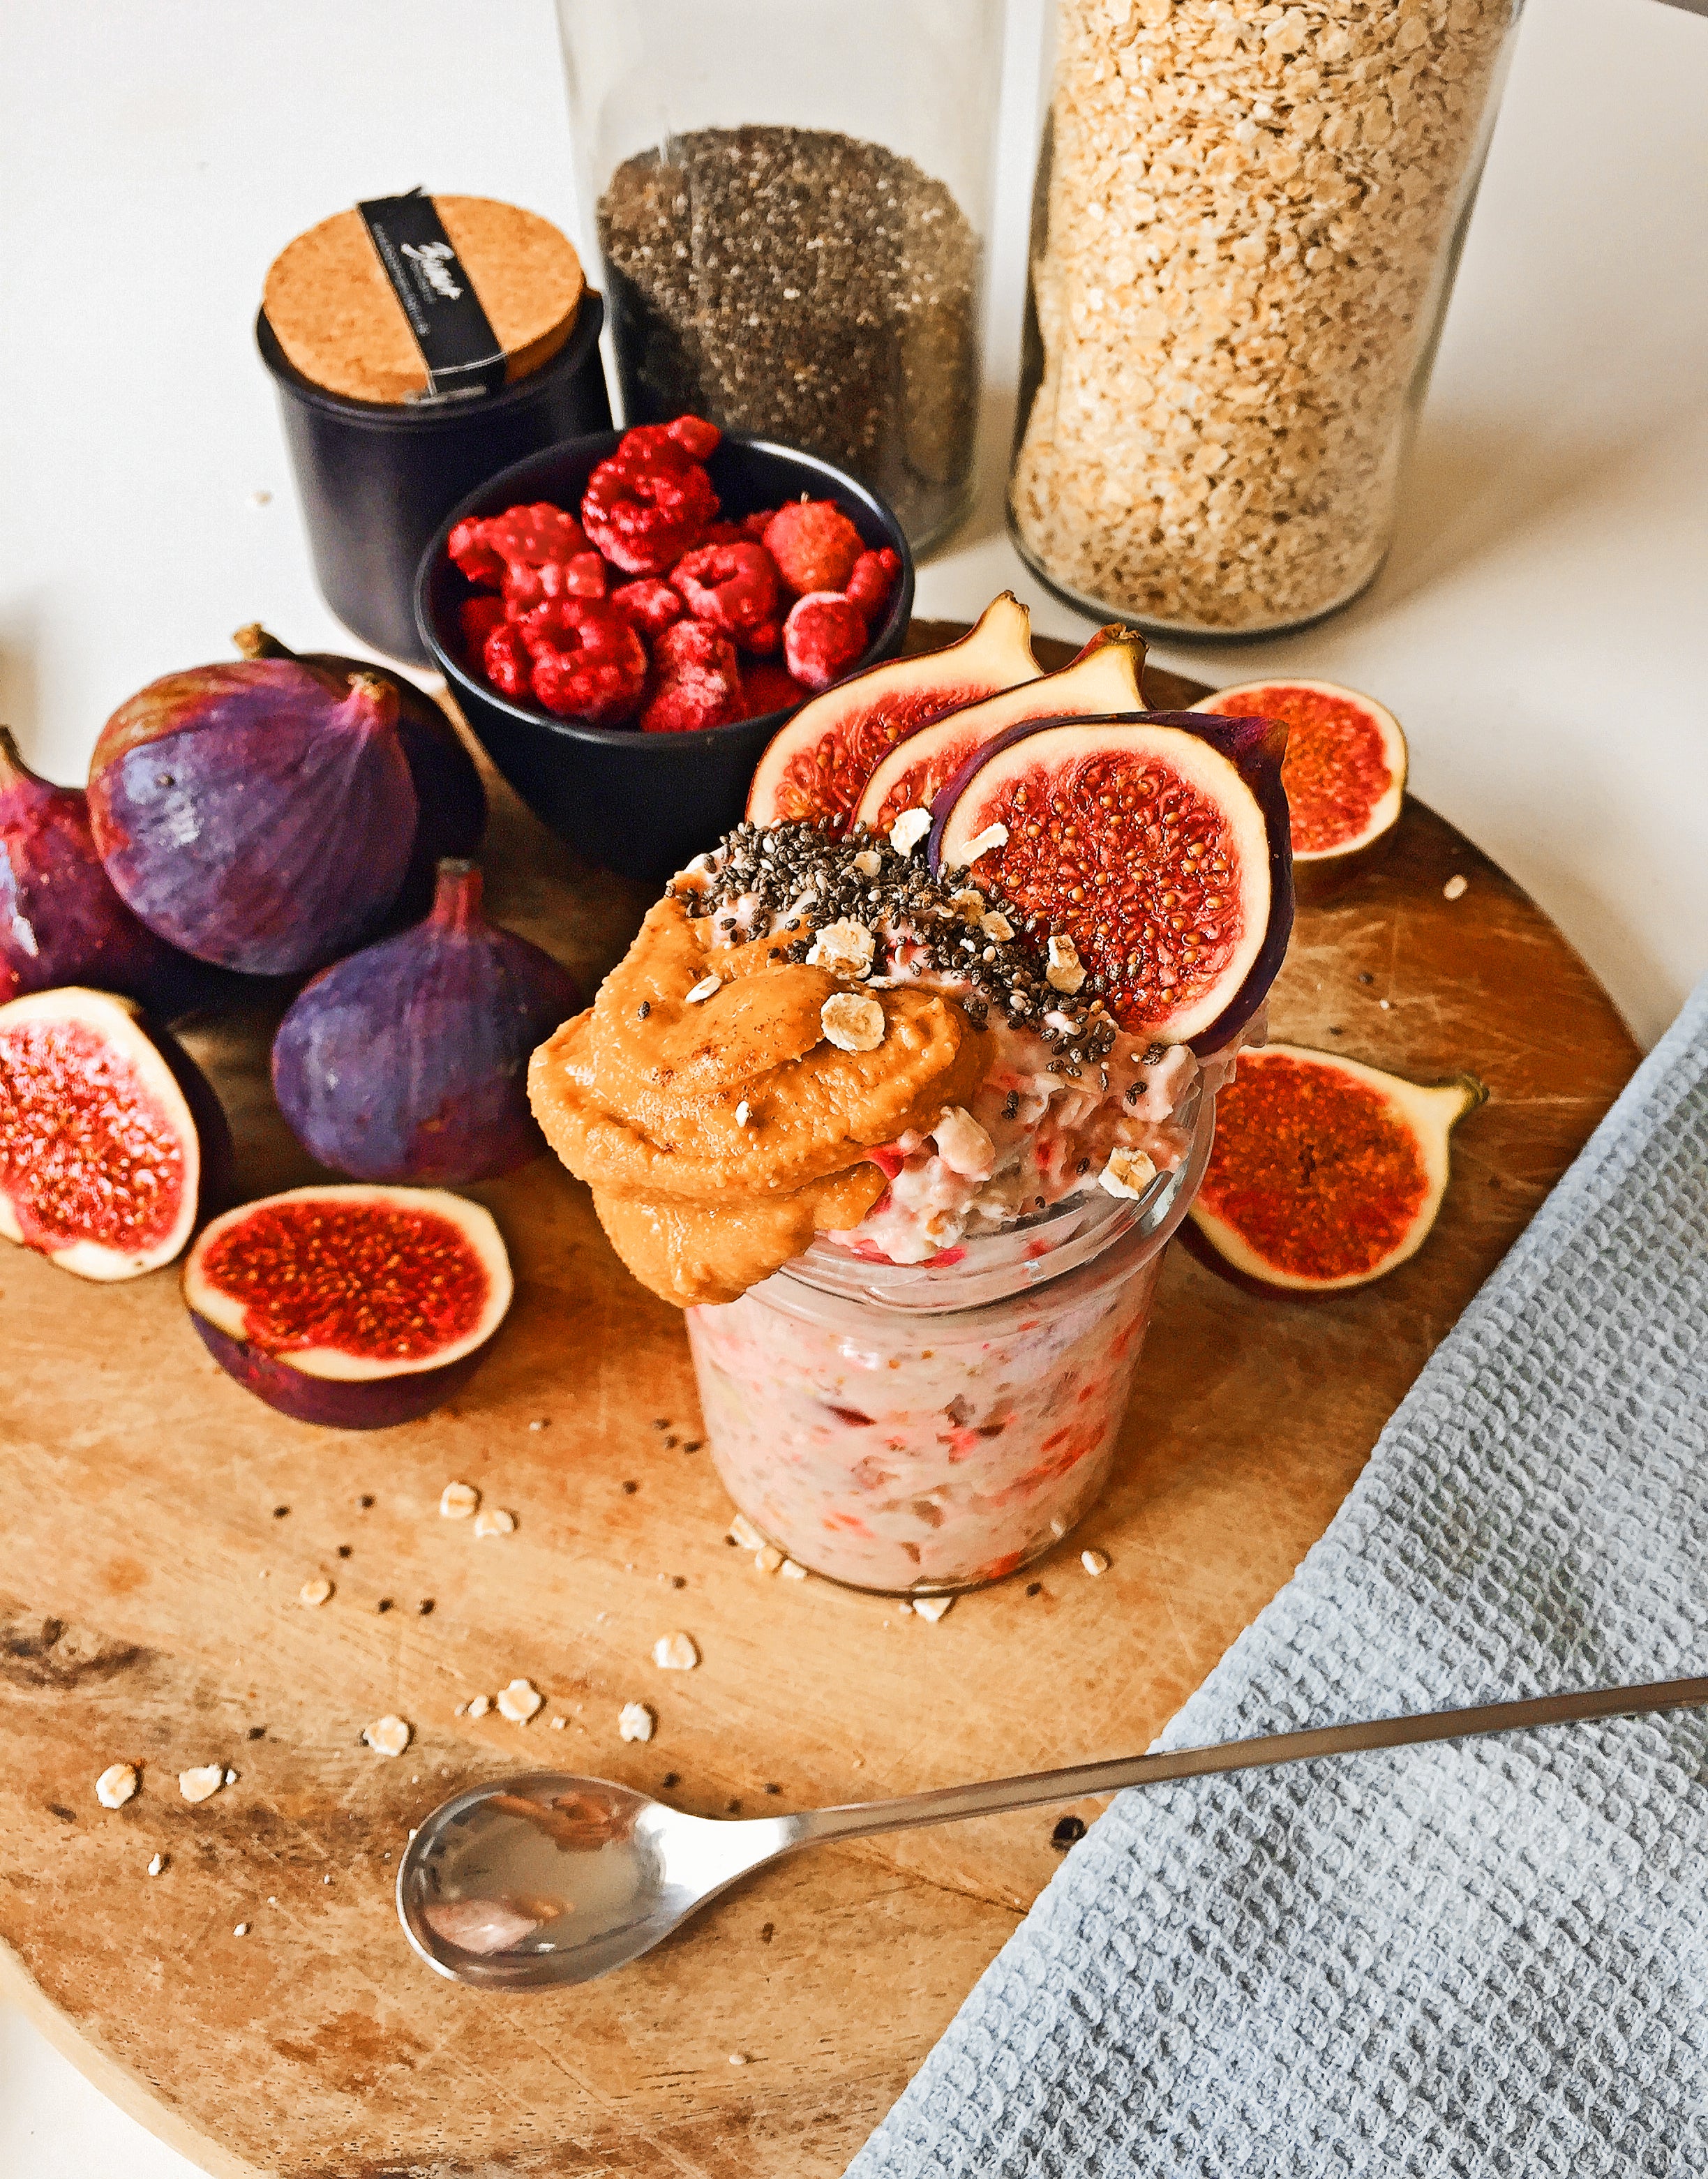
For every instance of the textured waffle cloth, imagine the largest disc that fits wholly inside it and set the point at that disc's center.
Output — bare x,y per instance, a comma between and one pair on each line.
1490,1957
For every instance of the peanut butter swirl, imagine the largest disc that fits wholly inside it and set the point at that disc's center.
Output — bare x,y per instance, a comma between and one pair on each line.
719,1133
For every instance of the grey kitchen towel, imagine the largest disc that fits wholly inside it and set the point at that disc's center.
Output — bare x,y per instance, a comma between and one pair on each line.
1490,1957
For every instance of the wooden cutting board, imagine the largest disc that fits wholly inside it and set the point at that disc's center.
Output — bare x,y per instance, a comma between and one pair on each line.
158,1524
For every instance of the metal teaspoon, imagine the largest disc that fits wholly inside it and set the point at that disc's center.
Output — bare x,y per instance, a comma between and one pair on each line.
545,1878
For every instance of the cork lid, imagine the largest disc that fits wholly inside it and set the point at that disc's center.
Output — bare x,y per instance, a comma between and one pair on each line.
340,323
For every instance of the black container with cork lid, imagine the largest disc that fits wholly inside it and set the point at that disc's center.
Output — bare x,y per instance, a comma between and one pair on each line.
420,345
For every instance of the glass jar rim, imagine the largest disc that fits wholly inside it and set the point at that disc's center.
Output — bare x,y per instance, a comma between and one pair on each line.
1020,1259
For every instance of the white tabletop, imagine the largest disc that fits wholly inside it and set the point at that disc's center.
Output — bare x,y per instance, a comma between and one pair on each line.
1533,629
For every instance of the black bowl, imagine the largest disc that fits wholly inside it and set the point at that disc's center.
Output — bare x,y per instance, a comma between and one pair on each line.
641,804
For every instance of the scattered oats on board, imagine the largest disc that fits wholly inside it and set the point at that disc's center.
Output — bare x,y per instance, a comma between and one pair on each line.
558,1724
675,1652
931,1607
156,1865
1456,888
703,990
768,1560
518,1701
908,830
115,1785
200,1783
494,1520
843,947
479,1706
314,1592
634,1721
387,1736
458,1501
745,1533
241,1930
852,1023
231,1777
791,1572
1094,1562
1128,1173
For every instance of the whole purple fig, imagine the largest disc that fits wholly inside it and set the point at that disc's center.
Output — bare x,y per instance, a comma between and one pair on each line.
447,787
259,815
60,922
409,1060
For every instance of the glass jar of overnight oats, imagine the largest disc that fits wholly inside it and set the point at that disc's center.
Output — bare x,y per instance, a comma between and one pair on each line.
927,1428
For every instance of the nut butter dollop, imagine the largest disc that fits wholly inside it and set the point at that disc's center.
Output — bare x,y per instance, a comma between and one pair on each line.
719,1134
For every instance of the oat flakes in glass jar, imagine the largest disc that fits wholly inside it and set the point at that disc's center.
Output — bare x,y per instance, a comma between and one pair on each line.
1246,224
922,1429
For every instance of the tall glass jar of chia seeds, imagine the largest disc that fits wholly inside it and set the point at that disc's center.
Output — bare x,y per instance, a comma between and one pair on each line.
791,200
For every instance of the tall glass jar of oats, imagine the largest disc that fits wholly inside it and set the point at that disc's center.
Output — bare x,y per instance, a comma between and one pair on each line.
1246,224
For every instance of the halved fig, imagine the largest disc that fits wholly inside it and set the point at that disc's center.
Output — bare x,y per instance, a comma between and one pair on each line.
1104,678
1155,842
815,767
352,1307
1344,774
109,1134
1325,1173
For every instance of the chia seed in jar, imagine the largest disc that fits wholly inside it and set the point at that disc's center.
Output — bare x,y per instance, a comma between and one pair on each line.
805,286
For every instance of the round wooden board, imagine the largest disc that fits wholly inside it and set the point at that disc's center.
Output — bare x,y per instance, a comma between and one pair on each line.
159,1522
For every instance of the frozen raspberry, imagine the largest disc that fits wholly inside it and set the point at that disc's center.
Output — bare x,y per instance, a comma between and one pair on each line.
642,519
698,681
648,605
588,663
813,544
505,657
521,536
733,588
477,617
769,687
822,638
872,581
584,575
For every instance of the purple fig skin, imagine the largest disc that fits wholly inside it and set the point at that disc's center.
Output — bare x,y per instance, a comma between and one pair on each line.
408,1061
260,814
61,921
333,1404
1255,748
447,786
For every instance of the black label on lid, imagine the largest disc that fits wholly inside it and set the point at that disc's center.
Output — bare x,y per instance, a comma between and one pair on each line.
454,334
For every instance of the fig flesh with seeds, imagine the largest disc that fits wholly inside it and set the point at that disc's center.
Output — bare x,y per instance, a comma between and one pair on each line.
1155,841
1325,1173
111,1138
1106,676
355,1308
815,768
259,815
1344,773
61,921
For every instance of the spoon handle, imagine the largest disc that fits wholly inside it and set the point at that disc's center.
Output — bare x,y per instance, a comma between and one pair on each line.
996,1795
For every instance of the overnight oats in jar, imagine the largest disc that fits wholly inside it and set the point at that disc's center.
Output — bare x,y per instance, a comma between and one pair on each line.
904,1113
930,1430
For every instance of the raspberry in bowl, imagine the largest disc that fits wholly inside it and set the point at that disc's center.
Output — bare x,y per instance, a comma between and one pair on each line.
552,598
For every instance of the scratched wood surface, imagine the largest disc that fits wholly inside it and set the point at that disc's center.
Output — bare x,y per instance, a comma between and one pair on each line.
158,1523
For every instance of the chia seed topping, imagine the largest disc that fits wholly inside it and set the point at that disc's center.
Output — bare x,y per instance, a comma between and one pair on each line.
801,874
